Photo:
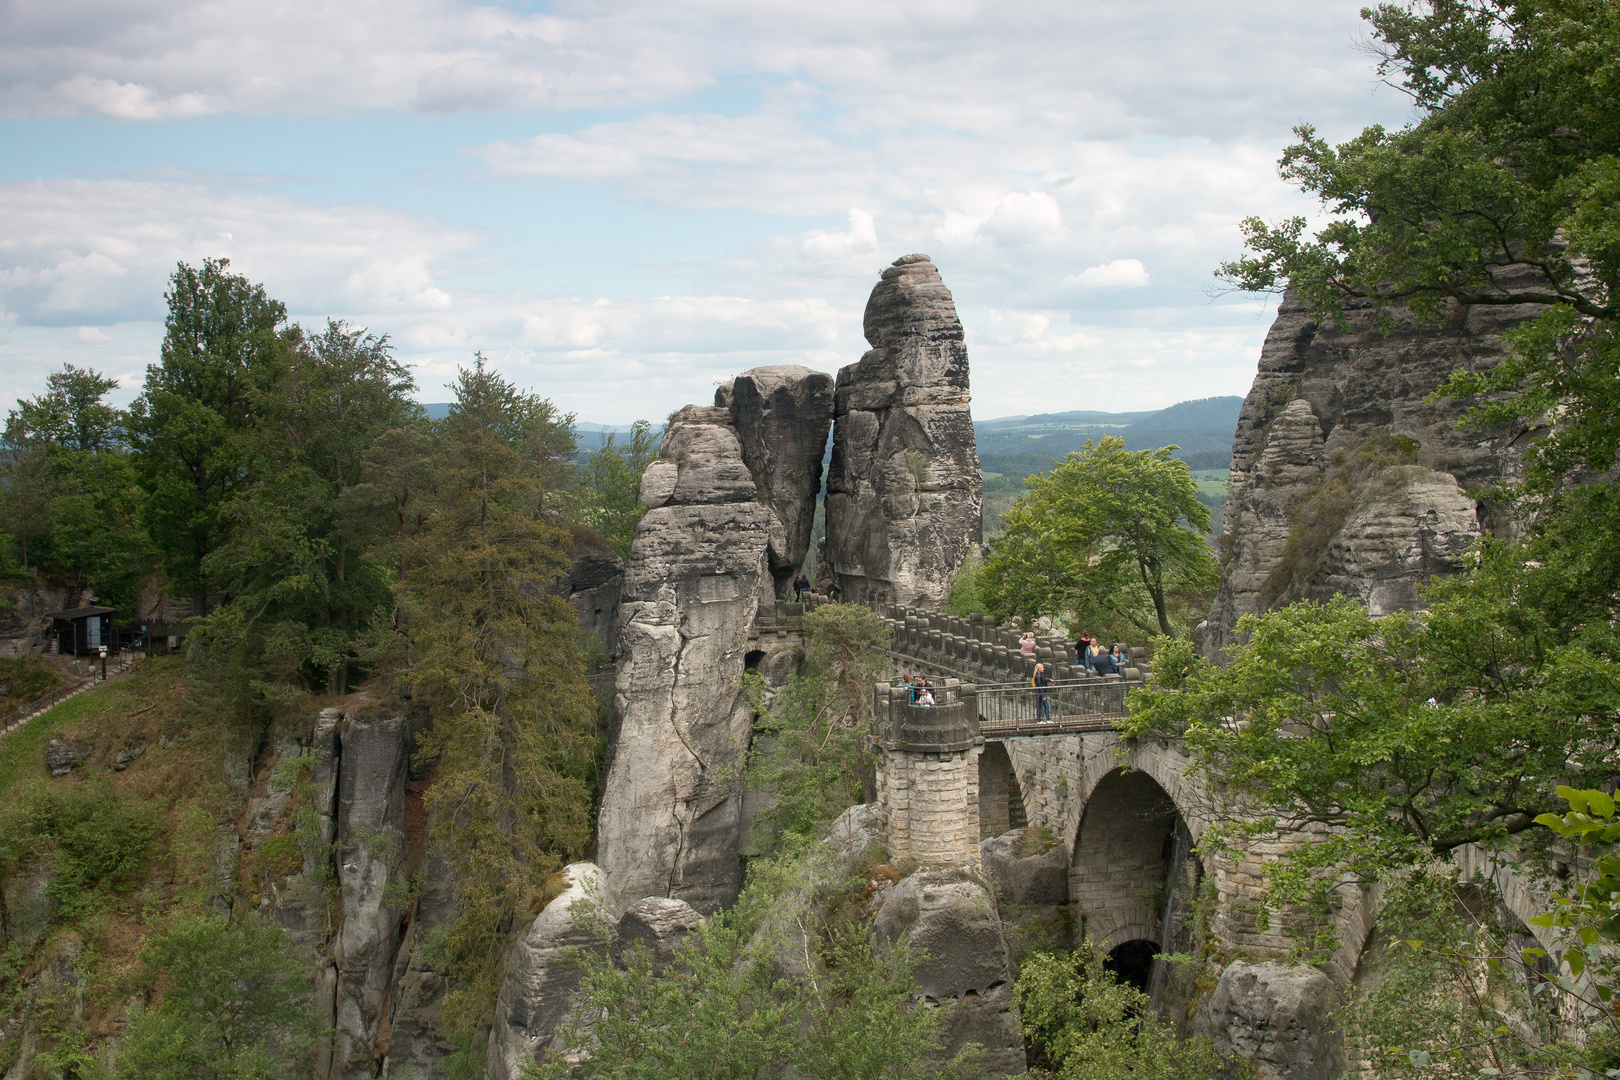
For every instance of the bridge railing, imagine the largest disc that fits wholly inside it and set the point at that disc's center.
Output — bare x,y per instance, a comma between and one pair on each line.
1020,709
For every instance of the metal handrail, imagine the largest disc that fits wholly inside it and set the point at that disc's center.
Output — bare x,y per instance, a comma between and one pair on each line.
1072,705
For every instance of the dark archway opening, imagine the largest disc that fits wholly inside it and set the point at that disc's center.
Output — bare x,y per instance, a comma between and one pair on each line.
1132,962
752,661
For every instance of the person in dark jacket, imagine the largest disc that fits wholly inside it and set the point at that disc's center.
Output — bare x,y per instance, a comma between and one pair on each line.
1102,663
1040,681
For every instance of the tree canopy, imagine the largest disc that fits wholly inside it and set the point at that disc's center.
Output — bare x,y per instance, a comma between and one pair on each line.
1111,538
1474,720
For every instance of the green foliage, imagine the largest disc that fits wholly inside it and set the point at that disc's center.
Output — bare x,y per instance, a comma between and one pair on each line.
296,558
967,588
1502,191
1448,991
779,986
24,679
610,486
68,490
235,1004
1588,914
1108,538
225,348
494,656
1082,1024
95,841
1411,734
809,752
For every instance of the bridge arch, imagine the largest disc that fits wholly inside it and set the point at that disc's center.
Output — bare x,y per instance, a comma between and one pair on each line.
1131,870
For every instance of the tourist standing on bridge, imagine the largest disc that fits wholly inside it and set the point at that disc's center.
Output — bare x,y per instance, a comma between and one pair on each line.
1040,681
1026,644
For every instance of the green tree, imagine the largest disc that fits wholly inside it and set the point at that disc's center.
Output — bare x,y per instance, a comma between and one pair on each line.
1107,536
225,348
610,486
1082,1024
967,588
235,1004
1502,191
71,495
493,655
809,751
300,563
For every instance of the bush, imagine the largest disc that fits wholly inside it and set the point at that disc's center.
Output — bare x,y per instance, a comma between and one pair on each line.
1081,1023
235,1004
96,841
26,679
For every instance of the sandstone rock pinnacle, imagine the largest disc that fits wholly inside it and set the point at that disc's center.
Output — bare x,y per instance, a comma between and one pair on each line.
781,415
697,574
903,491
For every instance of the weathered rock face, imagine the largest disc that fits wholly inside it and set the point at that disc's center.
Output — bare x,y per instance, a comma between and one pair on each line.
1345,478
592,584
1026,872
781,415
1278,1016
371,840
903,491
671,805
537,993
951,916
657,923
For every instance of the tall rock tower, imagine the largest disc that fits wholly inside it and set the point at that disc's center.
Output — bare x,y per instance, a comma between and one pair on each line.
904,492
781,415
698,572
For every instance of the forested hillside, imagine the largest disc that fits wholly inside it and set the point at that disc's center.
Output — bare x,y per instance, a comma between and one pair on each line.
275,499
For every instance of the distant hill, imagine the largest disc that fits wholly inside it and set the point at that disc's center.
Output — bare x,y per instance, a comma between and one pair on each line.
1016,446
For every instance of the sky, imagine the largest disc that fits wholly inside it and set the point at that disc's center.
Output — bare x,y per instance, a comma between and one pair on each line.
623,204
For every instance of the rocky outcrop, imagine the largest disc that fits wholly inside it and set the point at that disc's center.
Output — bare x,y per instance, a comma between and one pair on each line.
782,415
658,924
1026,869
947,918
903,490
1277,1016
591,585
670,818
1345,476
370,851
537,993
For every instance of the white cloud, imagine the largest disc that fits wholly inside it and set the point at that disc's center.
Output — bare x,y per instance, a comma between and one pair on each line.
1015,145
1119,274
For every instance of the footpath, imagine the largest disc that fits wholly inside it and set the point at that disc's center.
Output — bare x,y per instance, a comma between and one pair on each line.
116,669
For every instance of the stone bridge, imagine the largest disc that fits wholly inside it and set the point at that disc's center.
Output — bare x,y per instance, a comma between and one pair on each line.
1127,812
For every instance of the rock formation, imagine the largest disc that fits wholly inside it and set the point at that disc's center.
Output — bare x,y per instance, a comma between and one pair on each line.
781,416
1345,477
671,804
537,992
948,917
903,491
1277,1015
